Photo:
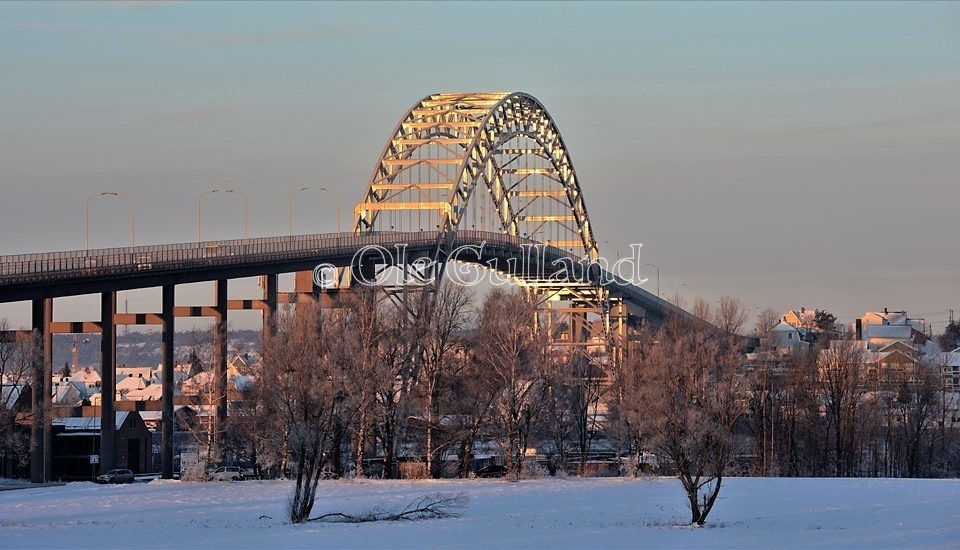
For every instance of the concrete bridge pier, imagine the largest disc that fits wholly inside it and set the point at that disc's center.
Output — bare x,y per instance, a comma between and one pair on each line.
108,377
220,358
41,401
166,419
270,293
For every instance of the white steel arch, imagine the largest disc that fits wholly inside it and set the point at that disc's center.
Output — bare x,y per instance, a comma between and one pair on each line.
449,145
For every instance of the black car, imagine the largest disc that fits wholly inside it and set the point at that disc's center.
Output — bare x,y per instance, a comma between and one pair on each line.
116,476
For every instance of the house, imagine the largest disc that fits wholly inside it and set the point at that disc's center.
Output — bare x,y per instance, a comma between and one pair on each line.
800,319
89,378
133,372
77,439
130,383
153,392
69,393
871,327
785,338
949,363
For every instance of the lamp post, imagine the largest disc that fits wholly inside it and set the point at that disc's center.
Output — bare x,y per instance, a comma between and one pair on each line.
240,194
86,219
290,205
658,277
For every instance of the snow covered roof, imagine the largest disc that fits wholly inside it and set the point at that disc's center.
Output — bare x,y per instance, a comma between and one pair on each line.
890,317
9,393
69,393
156,416
131,383
783,326
87,423
87,376
949,359
153,392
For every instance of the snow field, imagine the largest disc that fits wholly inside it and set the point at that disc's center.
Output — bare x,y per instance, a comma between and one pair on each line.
548,513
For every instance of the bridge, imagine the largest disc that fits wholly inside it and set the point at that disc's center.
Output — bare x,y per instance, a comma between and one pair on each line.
487,171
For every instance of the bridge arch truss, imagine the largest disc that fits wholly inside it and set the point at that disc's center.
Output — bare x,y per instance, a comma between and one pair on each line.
484,161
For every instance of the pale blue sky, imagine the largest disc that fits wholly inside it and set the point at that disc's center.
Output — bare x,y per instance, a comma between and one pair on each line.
792,154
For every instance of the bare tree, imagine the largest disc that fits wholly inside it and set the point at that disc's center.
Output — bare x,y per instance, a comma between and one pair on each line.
842,387
447,323
766,320
691,395
918,398
473,394
508,346
18,356
364,374
306,384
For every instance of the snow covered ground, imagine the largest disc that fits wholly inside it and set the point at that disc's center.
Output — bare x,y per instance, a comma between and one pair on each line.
550,513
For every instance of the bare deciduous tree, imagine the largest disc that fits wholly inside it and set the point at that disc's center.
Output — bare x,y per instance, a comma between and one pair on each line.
18,358
446,327
509,348
691,397
306,383
842,387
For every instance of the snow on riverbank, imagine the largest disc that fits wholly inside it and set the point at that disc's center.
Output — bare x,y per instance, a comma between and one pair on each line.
550,513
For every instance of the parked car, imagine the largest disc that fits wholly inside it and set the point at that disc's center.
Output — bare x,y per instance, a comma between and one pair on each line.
116,476
227,473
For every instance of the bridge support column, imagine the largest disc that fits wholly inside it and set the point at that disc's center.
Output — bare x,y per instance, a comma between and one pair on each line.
166,419
108,377
48,390
220,359
270,291
41,400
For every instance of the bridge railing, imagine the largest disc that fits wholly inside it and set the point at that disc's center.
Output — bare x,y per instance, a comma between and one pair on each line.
100,262
54,266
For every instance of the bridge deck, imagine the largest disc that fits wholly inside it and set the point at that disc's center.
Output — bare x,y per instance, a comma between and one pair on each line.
52,274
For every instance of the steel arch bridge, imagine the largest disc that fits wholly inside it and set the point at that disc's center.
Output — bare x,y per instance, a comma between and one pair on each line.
495,162
450,145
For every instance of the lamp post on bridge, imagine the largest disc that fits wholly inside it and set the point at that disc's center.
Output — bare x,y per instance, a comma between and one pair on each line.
240,194
290,205
86,219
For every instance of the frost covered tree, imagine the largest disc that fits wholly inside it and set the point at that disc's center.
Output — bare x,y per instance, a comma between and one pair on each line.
841,383
18,356
447,322
690,398
307,390
508,347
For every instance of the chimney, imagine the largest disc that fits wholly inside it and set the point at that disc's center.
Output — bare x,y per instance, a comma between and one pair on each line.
885,311
859,329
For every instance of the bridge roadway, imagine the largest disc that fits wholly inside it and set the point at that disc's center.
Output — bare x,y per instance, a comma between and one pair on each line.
56,274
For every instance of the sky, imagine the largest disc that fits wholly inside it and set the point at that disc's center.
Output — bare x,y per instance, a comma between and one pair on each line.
790,154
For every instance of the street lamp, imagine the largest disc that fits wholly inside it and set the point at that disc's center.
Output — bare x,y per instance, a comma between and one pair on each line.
658,277
241,194
290,205
86,219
